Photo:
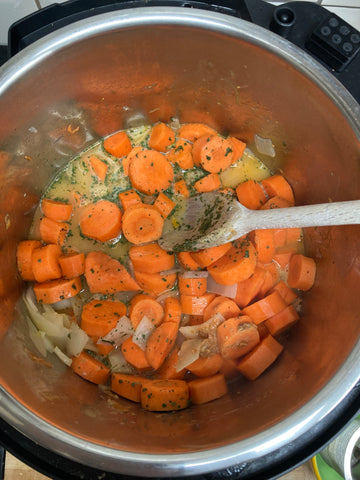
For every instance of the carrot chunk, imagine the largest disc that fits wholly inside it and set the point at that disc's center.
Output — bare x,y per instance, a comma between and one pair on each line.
302,271
276,202
24,254
209,183
142,223
45,263
98,167
118,144
106,275
285,291
216,155
59,211
164,395
129,198
72,265
203,390
238,148
164,204
260,358
141,306
155,283
192,286
150,172
180,188
127,386
265,308
134,355
101,221
282,321
52,231
192,131
168,371
237,336
55,290
181,154
206,366
225,306
208,256
195,304
187,261
251,194
172,310
277,185
248,289
160,343
161,137
98,317
264,244
151,258
90,368
236,265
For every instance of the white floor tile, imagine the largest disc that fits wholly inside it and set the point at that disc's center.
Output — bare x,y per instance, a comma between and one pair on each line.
10,12
350,15
341,3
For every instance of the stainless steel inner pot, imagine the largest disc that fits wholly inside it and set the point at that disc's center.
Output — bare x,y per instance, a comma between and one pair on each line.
148,64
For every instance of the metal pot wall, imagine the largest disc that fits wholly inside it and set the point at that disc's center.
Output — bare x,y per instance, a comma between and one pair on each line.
149,64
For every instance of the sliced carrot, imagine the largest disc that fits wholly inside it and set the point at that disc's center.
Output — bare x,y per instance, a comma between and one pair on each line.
118,144
98,317
125,162
151,258
90,368
180,188
168,371
279,237
141,306
238,148
209,183
142,223
106,275
251,194
127,386
101,221
206,366
99,167
172,310
276,202
302,271
216,154
265,308
52,231
197,148
181,154
236,265
192,285
72,265
260,358
277,185
237,336
285,291
187,261
129,198
282,321
293,236
195,304
164,395
196,319
192,131
248,289
59,211
155,283
55,290
134,355
24,254
45,263
150,172
161,137
210,255
160,343
203,390
283,259
164,204
225,306
264,244
228,368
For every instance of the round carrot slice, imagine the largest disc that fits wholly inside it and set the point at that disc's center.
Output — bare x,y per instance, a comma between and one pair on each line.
142,223
101,221
150,172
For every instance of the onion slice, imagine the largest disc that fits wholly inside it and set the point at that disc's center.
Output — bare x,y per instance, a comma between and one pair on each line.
188,353
228,291
143,332
264,146
195,274
203,330
122,330
64,358
118,363
76,340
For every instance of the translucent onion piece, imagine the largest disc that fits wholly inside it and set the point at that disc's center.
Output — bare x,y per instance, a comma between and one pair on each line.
122,330
195,274
228,291
188,353
165,295
54,329
118,363
76,340
203,330
171,271
143,332
264,146
36,337
64,358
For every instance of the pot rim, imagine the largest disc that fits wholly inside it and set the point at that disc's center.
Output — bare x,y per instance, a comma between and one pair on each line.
316,409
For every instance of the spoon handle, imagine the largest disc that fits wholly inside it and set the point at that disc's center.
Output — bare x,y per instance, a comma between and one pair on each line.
323,214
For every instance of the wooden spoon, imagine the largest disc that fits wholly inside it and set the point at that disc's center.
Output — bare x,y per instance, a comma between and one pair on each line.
212,219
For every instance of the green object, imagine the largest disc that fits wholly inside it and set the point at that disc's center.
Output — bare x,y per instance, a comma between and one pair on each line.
325,472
